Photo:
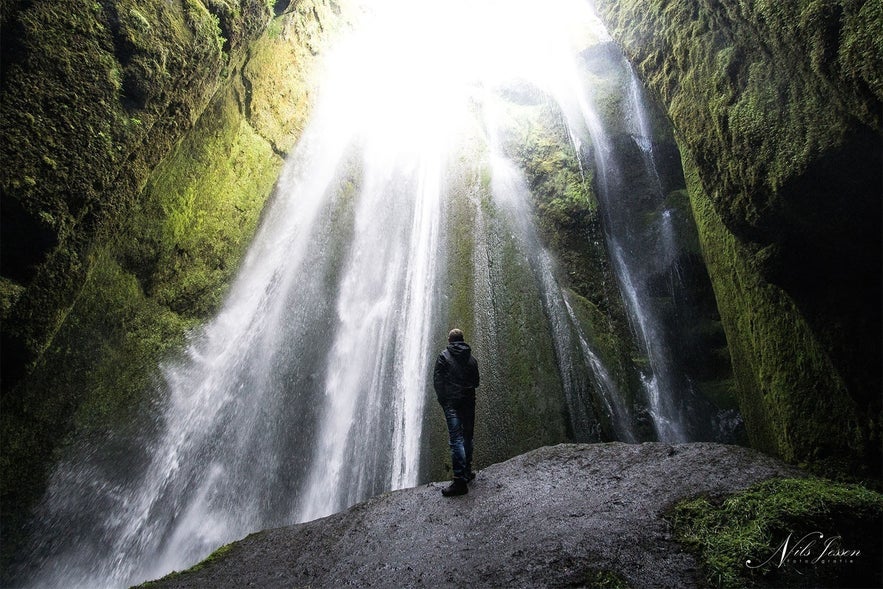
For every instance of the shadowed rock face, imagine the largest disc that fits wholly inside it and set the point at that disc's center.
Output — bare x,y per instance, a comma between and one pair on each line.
566,515
777,114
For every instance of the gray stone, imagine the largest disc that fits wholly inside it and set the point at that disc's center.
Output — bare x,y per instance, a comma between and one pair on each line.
553,517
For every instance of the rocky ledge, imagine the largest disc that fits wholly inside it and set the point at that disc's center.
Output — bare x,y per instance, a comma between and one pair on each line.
569,515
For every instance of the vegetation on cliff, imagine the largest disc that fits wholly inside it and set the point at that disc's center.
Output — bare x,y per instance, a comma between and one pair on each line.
135,170
786,532
569,223
777,111
94,96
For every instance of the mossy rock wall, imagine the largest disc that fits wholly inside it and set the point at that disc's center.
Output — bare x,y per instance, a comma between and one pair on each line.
569,226
490,291
777,110
94,95
137,160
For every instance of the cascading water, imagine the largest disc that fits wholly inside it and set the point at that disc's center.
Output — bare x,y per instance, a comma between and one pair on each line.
644,243
577,361
307,392
633,251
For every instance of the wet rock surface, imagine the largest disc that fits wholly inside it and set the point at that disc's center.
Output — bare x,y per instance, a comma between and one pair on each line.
557,516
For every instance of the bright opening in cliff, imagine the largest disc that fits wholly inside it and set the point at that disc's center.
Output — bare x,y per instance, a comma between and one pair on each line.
421,69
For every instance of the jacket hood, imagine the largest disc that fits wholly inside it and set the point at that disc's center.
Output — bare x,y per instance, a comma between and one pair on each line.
460,350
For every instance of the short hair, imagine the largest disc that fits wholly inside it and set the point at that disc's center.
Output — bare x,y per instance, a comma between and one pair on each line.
455,336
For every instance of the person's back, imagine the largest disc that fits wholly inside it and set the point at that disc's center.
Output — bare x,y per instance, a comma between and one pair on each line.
455,379
461,377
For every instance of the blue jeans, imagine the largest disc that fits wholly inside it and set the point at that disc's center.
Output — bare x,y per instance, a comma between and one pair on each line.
460,415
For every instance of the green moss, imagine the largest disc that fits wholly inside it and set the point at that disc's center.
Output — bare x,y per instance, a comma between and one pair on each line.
199,209
608,342
860,54
110,344
723,393
10,291
205,24
569,224
526,408
776,106
755,102
80,73
216,556
752,525
792,400
539,143
278,77
604,579
126,333
137,252
564,203
461,229
688,237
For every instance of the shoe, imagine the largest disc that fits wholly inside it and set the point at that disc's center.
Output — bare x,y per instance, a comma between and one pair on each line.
457,487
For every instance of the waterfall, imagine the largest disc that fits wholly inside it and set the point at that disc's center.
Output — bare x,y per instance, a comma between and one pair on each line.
643,242
379,360
307,392
577,361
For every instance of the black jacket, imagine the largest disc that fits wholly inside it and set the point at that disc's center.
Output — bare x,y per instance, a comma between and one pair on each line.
456,373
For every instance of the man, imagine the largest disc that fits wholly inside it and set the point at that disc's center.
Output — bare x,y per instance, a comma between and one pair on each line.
455,379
